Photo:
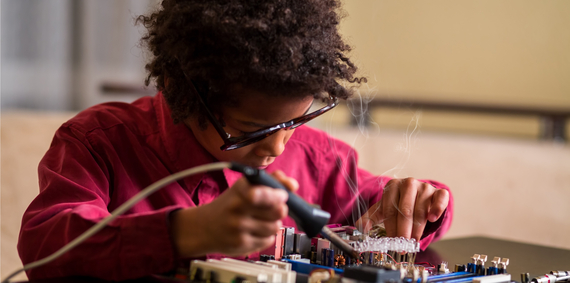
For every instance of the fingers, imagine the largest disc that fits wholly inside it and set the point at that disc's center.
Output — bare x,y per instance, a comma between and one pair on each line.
390,200
261,229
259,202
407,205
422,206
439,202
245,243
408,194
269,214
258,195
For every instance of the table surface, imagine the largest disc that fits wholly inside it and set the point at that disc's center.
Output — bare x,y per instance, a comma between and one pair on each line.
534,259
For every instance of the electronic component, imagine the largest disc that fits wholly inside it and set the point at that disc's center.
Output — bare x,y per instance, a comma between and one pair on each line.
471,267
276,250
288,241
385,244
494,268
525,277
322,244
554,276
480,269
320,275
371,274
560,273
546,278
503,266
443,268
302,245
285,275
497,278
281,264
213,272
324,257
306,268
451,276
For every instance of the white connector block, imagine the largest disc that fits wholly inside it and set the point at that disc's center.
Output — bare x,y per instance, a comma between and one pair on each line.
498,278
273,270
281,264
225,273
273,276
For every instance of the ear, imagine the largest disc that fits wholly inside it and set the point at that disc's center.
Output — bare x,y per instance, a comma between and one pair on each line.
166,79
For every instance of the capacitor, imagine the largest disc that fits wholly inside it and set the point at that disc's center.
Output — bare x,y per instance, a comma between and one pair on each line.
330,257
525,277
324,257
313,257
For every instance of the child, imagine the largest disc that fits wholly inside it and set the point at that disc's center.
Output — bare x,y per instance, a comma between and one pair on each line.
236,81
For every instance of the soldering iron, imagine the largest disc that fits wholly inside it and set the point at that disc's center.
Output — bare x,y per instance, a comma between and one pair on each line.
309,219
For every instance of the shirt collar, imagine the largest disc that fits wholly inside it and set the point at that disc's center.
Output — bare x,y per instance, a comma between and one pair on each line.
231,176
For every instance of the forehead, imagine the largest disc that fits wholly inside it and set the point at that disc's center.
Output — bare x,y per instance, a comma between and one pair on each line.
259,106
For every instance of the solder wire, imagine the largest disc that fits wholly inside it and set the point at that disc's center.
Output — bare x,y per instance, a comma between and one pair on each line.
119,211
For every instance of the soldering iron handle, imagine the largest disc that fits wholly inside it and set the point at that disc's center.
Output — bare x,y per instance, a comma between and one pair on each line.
308,218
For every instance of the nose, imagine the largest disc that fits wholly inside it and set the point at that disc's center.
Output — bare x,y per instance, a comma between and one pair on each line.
274,144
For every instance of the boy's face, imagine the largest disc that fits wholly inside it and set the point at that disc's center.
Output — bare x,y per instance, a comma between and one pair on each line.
255,110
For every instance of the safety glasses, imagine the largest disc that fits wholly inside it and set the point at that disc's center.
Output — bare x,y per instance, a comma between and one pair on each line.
248,138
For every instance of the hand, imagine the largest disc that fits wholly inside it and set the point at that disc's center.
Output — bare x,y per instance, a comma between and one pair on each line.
405,207
242,220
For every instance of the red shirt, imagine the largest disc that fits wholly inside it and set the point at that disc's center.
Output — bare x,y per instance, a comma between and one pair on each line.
108,153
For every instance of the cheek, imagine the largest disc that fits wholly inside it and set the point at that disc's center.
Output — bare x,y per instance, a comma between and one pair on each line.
286,136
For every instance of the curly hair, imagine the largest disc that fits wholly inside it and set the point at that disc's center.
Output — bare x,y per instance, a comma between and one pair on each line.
284,47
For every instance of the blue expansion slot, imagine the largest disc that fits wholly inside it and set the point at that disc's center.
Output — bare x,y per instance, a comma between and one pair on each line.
455,277
306,268
460,280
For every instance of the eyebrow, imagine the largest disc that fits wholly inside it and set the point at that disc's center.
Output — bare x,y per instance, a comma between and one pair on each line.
254,124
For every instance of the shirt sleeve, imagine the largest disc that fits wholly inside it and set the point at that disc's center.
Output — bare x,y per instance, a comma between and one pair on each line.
350,191
74,195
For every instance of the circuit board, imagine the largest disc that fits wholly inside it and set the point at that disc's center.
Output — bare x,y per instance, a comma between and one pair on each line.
295,258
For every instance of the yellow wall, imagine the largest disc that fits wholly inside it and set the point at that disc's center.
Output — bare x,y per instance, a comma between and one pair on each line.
508,52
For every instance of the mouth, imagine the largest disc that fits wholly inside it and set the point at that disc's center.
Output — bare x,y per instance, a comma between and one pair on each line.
260,164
